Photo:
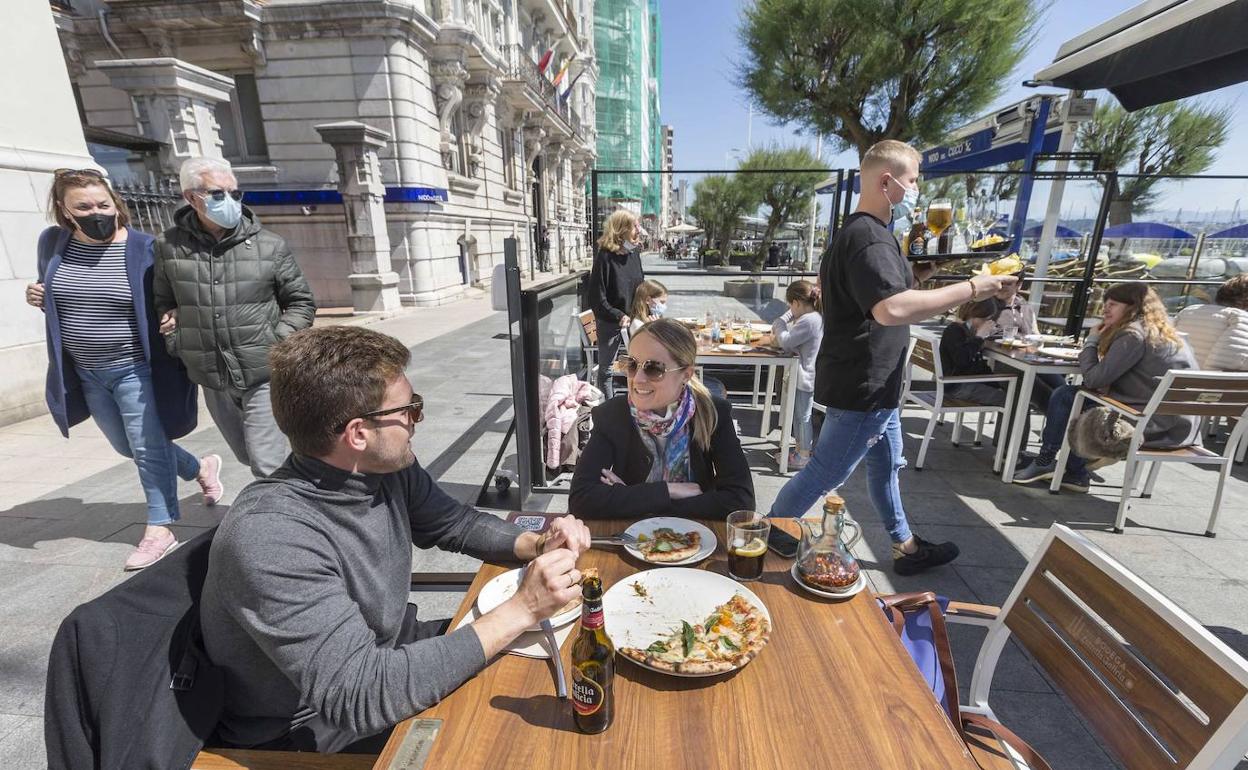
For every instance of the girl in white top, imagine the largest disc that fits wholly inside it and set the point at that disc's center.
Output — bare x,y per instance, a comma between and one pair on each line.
1218,332
801,330
649,303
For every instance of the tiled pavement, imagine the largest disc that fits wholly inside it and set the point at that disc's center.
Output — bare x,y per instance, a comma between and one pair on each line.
69,511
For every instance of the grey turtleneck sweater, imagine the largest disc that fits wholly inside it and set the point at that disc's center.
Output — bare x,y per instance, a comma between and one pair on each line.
306,591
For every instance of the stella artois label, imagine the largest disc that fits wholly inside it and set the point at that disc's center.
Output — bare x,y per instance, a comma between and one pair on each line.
587,694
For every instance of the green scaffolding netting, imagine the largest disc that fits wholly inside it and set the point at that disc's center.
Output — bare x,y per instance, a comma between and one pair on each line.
627,42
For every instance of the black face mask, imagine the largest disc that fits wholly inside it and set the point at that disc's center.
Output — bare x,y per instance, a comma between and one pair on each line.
98,227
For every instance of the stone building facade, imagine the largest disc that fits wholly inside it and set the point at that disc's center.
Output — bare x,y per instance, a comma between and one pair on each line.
437,110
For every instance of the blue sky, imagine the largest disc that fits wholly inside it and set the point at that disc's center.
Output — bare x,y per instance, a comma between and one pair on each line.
710,114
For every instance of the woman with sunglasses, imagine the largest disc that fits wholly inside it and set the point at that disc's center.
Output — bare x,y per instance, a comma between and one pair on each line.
106,359
665,448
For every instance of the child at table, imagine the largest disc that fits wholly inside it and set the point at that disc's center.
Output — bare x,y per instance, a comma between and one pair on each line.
962,352
800,330
649,303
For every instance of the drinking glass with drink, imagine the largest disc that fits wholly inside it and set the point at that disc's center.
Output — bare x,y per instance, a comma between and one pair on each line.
746,540
939,216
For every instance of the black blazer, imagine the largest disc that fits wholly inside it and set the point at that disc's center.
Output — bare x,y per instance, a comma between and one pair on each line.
722,472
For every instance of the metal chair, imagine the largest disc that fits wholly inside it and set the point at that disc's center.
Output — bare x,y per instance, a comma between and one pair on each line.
1149,681
923,355
1181,392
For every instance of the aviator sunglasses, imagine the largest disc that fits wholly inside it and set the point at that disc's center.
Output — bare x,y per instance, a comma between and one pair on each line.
654,370
219,194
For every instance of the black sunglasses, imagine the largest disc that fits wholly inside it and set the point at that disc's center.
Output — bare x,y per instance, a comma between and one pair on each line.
72,171
654,370
219,194
415,409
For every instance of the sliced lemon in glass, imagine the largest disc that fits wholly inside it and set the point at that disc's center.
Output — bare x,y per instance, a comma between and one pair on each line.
756,547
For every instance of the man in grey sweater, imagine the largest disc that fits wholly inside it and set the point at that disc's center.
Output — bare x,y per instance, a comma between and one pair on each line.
305,602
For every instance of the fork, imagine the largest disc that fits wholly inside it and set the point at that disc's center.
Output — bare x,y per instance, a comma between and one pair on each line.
623,538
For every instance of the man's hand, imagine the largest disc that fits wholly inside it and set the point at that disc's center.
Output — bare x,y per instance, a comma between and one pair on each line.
169,321
567,532
609,478
988,285
34,294
625,321
679,490
549,582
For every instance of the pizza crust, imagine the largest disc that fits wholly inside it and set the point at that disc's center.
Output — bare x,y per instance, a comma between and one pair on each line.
693,543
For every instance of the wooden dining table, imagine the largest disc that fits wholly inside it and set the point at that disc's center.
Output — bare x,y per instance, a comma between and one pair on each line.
834,688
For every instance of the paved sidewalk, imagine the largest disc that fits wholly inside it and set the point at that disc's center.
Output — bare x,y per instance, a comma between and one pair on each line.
71,510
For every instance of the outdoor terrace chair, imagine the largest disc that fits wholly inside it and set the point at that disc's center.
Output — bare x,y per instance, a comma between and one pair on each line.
1151,684
1181,392
589,341
923,355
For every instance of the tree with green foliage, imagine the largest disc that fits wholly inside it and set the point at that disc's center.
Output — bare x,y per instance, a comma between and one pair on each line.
786,195
1163,140
719,202
866,70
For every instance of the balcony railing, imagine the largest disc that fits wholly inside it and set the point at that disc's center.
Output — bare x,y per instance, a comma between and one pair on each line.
520,66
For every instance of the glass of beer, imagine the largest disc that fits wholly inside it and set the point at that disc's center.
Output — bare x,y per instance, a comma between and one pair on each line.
939,215
746,541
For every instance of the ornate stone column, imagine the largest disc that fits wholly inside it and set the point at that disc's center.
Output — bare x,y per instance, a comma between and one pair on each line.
374,285
174,102
449,76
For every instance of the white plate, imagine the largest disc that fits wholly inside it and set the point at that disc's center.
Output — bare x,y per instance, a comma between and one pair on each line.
729,348
858,585
1047,339
648,526
671,595
503,587
761,328
691,321
1066,354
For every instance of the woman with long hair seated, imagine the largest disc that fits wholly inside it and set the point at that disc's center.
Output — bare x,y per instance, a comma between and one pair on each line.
665,448
1126,357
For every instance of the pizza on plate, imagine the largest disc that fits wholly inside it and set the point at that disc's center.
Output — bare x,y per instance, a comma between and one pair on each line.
667,545
727,640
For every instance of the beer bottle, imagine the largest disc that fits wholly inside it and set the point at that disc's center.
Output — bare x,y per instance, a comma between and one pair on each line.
916,241
593,662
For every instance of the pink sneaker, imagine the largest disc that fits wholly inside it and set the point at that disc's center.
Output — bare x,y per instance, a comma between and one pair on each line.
209,479
151,550
797,460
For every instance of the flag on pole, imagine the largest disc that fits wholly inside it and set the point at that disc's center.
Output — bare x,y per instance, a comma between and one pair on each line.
563,97
544,62
564,69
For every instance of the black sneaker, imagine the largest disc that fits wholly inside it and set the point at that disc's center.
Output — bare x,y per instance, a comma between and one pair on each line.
926,556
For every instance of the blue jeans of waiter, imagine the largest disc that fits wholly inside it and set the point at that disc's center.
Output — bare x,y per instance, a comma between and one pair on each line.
846,439
1055,419
123,404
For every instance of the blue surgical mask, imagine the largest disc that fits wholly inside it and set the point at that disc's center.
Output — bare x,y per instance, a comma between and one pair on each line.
658,309
903,208
225,212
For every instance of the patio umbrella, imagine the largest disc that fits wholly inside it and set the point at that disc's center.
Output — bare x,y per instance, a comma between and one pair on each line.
1062,231
1157,52
682,229
1238,231
1147,230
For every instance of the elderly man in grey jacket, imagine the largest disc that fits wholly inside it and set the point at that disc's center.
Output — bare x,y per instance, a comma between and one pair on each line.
227,289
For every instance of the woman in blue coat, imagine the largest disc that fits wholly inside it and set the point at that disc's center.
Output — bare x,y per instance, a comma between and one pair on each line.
106,358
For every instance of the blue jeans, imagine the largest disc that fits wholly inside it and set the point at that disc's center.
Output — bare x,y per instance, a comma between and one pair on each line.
845,439
802,428
123,403
1055,419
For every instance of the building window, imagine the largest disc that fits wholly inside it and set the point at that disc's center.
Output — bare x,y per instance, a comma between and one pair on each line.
507,141
242,126
459,156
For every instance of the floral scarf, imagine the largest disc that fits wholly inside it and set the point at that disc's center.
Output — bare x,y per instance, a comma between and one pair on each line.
675,428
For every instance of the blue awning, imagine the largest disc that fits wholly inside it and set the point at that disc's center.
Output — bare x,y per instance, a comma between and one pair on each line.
972,154
1147,230
1238,231
1062,232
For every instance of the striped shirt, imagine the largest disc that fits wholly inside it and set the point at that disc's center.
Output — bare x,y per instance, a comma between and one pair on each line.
95,306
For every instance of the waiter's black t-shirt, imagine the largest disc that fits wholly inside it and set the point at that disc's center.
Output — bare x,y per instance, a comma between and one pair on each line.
860,362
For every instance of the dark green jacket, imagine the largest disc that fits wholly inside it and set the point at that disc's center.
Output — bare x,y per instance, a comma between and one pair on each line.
235,298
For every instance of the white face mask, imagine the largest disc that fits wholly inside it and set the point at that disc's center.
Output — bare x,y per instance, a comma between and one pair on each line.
903,208
657,309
